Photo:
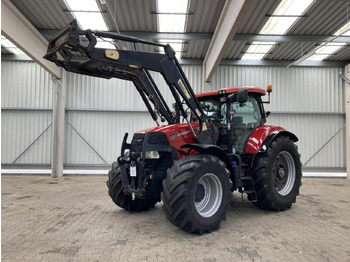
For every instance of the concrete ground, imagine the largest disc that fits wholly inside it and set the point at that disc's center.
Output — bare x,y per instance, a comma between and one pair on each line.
73,219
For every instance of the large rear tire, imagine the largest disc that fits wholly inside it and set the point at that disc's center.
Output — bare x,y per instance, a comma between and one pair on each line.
196,193
277,175
114,185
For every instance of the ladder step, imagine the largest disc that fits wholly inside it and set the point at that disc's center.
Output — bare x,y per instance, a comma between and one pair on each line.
248,191
250,201
247,200
251,191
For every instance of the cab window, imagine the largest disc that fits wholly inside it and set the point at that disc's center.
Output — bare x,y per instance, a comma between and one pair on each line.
248,113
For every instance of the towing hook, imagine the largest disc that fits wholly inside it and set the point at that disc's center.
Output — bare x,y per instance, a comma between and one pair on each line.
121,161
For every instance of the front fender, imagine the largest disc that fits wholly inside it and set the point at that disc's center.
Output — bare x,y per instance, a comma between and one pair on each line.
212,150
262,136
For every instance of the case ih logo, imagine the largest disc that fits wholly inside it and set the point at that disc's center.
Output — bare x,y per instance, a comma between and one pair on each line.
172,138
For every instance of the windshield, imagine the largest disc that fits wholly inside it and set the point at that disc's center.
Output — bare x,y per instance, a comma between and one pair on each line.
232,133
215,110
247,113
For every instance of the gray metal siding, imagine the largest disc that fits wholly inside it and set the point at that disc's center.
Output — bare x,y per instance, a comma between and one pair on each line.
94,138
294,89
26,115
307,101
100,111
25,85
26,137
114,94
314,131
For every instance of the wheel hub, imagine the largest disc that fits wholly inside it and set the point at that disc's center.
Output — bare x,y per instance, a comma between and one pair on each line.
208,195
284,172
281,172
200,193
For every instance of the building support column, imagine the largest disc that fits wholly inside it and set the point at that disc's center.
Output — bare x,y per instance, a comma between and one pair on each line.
230,19
347,119
58,130
19,30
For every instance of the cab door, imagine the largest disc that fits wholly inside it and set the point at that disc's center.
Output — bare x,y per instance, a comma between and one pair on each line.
245,117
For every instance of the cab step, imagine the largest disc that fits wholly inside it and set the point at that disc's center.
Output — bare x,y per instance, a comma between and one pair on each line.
251,191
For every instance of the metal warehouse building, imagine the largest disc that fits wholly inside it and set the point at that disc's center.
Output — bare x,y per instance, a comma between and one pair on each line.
58,123
308,97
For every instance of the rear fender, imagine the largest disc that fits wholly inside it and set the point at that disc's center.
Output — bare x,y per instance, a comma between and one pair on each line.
272,136
268,140
262,136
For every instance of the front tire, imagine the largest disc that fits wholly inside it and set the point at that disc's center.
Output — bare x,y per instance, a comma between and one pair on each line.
277,175
196,193
114,185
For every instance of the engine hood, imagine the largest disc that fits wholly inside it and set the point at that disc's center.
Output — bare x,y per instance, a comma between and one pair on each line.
177,134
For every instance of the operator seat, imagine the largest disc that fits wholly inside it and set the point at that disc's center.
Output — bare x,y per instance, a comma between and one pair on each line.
216,133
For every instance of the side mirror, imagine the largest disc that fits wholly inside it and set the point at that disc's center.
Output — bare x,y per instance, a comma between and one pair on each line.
267,113
242,95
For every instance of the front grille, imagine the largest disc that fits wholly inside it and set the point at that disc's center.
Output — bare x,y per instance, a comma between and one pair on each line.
158,138
136,143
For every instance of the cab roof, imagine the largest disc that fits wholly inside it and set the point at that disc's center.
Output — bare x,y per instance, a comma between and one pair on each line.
234,89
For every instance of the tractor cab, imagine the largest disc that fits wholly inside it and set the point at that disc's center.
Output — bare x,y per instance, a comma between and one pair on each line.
233,113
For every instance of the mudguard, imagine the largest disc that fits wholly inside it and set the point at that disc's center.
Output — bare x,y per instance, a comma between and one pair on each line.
212,150
262,137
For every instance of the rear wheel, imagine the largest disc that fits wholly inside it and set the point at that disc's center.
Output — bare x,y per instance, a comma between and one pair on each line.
114,185
277,175
196,193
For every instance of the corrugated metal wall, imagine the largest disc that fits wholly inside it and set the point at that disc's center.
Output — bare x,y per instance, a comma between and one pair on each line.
26,115
100,111
306,101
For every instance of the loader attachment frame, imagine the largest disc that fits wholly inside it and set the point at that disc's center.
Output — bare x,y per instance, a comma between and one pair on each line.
68,50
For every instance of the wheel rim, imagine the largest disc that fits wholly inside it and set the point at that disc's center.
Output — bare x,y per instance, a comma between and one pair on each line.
208,195
284,173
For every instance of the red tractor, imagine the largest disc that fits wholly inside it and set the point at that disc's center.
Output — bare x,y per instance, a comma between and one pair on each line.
213,144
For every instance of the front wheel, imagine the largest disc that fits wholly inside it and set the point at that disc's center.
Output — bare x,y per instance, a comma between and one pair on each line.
277,175
196,193
114,185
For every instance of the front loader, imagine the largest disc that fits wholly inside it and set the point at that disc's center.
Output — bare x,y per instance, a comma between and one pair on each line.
206,146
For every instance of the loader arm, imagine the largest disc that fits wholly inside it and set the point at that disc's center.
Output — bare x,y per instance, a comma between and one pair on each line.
68,50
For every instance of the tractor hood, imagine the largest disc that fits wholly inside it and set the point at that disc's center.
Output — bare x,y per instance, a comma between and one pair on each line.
177,134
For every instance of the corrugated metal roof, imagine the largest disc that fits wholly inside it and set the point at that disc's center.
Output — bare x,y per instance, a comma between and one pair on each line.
45,14
5,51
236,50
196,49
342,54
322,18
255,18
133,15
205,16
290,51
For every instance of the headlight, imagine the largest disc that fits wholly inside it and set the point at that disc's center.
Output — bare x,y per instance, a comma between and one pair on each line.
152,155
